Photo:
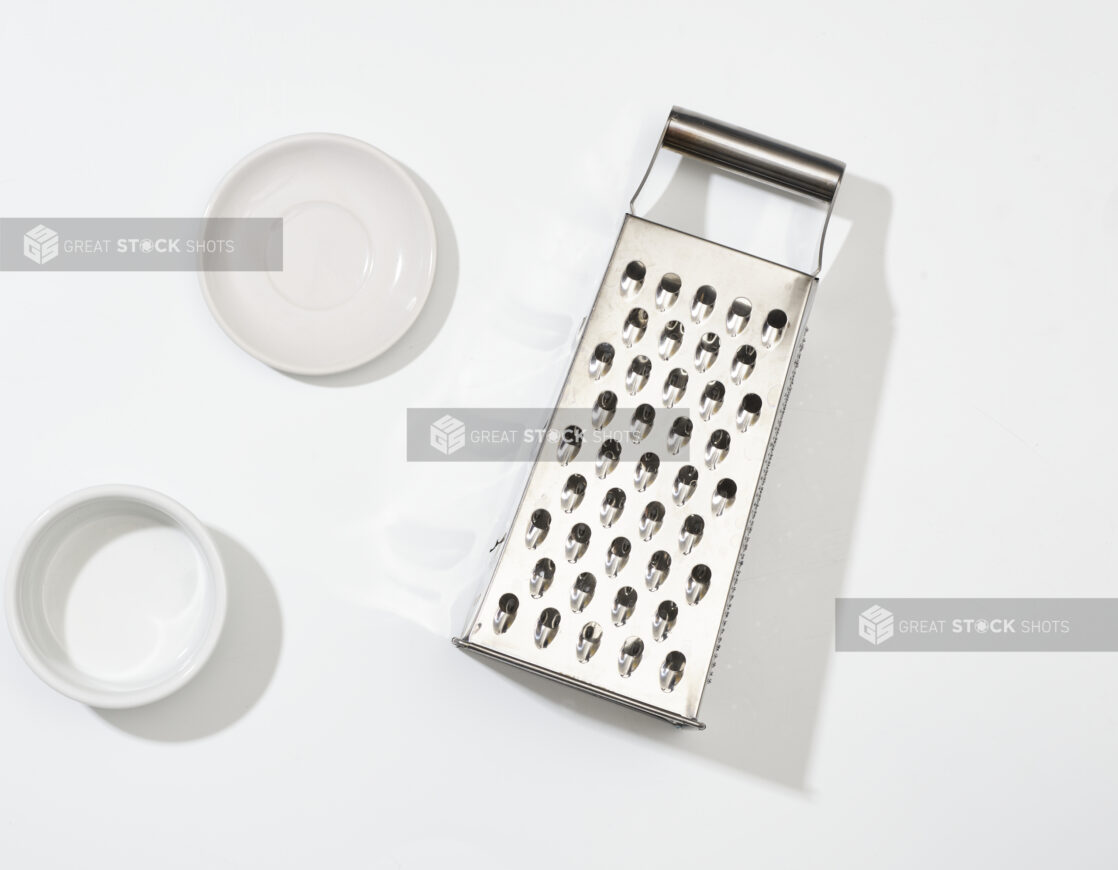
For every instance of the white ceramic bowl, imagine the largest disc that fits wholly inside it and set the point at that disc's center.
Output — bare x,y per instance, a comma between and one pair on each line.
116,596
358,254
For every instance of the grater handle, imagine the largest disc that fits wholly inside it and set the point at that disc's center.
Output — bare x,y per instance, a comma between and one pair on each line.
753,155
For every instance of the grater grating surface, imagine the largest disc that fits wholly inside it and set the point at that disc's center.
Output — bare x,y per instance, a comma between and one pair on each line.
619,567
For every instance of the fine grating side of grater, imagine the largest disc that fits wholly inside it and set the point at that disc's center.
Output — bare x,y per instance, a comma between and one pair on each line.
619,567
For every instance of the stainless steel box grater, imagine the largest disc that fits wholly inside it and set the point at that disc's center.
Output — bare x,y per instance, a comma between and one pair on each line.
618,570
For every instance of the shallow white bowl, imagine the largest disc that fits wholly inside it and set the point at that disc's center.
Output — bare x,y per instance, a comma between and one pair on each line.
116,596
358,254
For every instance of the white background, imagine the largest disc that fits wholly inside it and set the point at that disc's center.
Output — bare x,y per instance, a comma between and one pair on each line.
951,434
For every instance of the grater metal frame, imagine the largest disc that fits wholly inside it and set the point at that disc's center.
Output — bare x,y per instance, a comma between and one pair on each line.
539,621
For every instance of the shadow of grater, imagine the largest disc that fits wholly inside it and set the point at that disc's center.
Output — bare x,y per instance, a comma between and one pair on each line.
618,571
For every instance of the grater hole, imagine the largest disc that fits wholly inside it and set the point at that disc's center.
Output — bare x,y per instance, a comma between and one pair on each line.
711,401
744,361
547,626
680,434
670,339
541,578
658,567
635,325
589,639
637,376
570,442
707,351
632,279
617,556
664,620
601,360
538,524
623,605
651,520
612,506
604,407
674,387
573,491
608,456
582,592
684,486
691,533
668,291
671,671
703,303
507,605
774,327
698,584
643,418
724,494
738,315
632,651
577,542
717,447
749,411
647,468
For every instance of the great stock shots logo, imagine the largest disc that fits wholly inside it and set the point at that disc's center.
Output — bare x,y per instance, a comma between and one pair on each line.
875,624
448,435
601,438
40,244
140,244
976,625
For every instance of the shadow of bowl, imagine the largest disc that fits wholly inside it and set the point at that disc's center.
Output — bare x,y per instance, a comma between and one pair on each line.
239,670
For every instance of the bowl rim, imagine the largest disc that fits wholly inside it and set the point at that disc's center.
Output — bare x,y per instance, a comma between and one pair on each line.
214,575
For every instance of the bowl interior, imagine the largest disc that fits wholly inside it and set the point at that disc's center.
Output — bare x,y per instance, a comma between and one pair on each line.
114,598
